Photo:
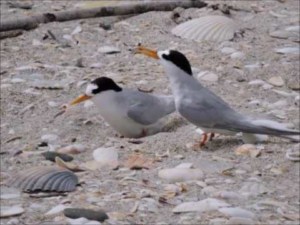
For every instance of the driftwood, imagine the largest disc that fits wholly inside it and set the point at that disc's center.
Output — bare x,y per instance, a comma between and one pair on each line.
137,8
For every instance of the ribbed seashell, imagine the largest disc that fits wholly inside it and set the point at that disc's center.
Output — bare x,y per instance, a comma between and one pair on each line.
45,179
210,28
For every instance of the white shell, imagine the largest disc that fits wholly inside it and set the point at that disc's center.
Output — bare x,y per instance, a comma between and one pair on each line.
212,28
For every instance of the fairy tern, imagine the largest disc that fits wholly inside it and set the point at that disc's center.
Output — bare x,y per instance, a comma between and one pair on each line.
203,108
132,113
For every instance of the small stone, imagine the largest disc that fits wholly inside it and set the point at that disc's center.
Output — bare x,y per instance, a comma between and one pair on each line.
276,81
55,210
294,86
252,67
248,149
72,149
50,138
109,50
209,191
185,165
237,212
179,157
293,154
92,222
52,155
77,221
9,193
11,211
17,80
217,221
228,50
13,221
288,50
257,82
106,156
209,204
228,195
254,189
180,174
75,213
148,205
36,42
237,55
207,76
240,221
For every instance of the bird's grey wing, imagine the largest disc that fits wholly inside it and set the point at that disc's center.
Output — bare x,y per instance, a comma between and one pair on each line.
205,109
148,109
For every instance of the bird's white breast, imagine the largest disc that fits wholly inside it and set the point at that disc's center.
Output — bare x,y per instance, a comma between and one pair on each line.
114,112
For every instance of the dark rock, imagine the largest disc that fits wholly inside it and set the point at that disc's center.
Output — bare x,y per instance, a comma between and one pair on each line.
75,213
51,156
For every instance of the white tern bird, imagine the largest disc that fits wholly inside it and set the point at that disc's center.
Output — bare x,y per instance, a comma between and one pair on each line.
203,108
132,113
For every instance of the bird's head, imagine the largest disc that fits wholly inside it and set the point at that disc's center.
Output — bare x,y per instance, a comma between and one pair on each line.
170,59
97,87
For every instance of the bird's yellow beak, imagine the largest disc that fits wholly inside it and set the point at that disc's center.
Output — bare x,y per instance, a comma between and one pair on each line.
147,52
79,99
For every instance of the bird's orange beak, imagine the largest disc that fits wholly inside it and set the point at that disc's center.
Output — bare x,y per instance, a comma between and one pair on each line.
147,52
79,99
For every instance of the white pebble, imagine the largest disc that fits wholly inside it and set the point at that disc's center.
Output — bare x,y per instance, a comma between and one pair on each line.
237,212
55,210
180,174
237,55
209,204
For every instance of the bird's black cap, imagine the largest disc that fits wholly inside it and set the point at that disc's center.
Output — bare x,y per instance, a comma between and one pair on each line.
105,84
179,60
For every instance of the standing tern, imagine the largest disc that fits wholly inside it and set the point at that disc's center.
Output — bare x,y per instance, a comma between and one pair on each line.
203,108
132,113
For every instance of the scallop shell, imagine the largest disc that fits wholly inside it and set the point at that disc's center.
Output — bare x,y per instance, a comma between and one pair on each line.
45,179
212,28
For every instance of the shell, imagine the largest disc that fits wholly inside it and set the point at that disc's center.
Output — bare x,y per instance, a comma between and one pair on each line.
45,179
212,28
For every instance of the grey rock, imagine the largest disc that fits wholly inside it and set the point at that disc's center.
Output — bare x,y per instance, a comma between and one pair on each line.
52,155
75,213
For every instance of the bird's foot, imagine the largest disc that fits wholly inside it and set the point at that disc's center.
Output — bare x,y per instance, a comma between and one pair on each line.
205,137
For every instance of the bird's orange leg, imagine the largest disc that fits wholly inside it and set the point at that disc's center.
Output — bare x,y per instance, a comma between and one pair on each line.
203,140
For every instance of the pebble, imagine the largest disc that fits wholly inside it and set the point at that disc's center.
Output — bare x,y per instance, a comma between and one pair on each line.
217,221
209,204
228,50
17,80
148,205
276,81
209,191
11,211
52,155
294,86
75,213
9,193
228,195
293,154
55,210
50,138
72,149
180,174
240,221
257,82
207,76
109,50
253,189
185,165
13,221
252,67
248,149
288,50
237,212
106,156
77,221
237,55
93,222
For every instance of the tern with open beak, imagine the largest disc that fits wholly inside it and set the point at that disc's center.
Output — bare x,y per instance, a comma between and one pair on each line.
203,108
132,113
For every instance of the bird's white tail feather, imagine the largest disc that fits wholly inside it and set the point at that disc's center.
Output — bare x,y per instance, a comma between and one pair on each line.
270,124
